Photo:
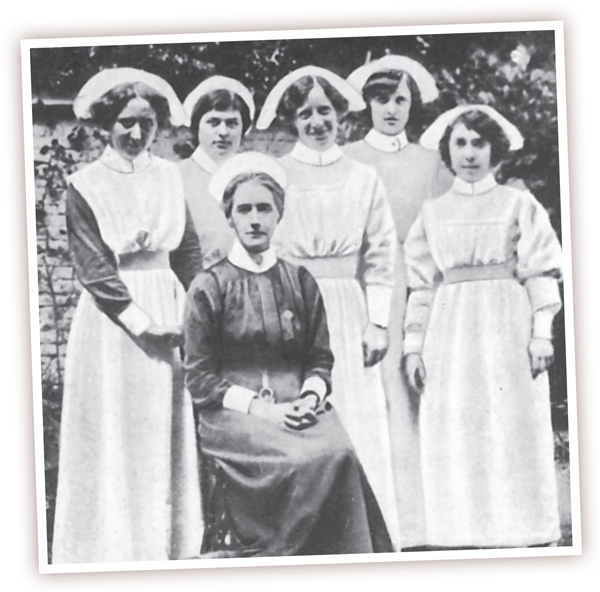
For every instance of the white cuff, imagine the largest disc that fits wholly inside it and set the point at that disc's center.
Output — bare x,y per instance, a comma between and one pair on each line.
238,398
135,320
542,323
543,291
316,385
413,342
379,299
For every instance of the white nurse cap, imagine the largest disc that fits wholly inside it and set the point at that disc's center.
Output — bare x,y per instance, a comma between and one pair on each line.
218,82
245,162
269,110
106,80
423,79
433,134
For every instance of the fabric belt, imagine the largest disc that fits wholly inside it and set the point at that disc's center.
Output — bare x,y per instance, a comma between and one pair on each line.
478,273
144,260
328,267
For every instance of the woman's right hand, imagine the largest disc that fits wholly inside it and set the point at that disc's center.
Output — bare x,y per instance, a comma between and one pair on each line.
414,370
295,415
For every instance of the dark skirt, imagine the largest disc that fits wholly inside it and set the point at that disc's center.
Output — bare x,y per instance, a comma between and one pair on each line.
288,492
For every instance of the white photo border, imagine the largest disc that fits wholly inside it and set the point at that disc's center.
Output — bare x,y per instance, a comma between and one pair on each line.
557,28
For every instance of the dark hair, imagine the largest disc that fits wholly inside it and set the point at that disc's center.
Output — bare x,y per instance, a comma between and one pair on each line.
220,100
105,111
486,127
262,178
296,94
383,84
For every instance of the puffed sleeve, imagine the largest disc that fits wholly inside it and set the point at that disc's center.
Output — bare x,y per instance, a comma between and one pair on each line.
319,357
186,260
423,279
379,252
539,263
96,266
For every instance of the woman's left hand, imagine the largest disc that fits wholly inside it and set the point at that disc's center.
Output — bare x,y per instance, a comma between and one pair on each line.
302,414
541,355
375,344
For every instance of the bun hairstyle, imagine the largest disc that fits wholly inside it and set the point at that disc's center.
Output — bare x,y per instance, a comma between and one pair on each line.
486,127
297,93
105,111
259,177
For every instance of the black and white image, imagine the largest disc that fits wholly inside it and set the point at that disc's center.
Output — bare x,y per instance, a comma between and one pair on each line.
301,296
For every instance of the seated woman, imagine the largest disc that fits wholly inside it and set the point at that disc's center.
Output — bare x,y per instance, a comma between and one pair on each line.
258,365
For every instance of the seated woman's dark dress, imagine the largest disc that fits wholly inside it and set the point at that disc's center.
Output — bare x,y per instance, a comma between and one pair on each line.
287,492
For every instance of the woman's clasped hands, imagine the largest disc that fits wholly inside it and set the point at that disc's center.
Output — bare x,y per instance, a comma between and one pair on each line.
296,415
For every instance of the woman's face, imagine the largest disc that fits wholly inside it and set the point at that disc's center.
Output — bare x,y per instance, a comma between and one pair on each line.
390,113
220,133
316,121
254,216
470,154
135,128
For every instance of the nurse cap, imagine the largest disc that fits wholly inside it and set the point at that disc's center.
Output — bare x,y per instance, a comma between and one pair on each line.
269,110
245,162
106,80
423,79
217,82
433,134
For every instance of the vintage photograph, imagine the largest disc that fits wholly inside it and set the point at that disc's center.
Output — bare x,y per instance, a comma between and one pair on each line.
301,296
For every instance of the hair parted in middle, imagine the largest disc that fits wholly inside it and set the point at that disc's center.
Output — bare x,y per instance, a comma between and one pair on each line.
105,111
263,179
384,83
486,127
220,100
297,93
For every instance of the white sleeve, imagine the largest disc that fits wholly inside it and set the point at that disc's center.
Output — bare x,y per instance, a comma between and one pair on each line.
238,398
135,320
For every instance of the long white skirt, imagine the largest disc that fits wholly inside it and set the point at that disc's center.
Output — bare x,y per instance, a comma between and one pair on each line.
486,433
128,485
403,417
357,392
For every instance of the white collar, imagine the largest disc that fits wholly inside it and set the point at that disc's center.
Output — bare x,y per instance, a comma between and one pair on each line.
240,258
113,160
307,155
386,143
474,188
204,161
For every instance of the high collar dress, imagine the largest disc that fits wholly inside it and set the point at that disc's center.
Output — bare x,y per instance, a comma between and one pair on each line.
337,223
215,235
483,267
284,491
411,174
128,483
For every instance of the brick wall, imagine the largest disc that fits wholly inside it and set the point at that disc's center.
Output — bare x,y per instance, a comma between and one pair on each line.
58,286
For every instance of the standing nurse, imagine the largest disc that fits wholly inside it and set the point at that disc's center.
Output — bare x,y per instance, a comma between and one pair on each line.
220,111
394,88
337,224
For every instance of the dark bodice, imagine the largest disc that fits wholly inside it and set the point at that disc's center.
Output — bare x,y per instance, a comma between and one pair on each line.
241,326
